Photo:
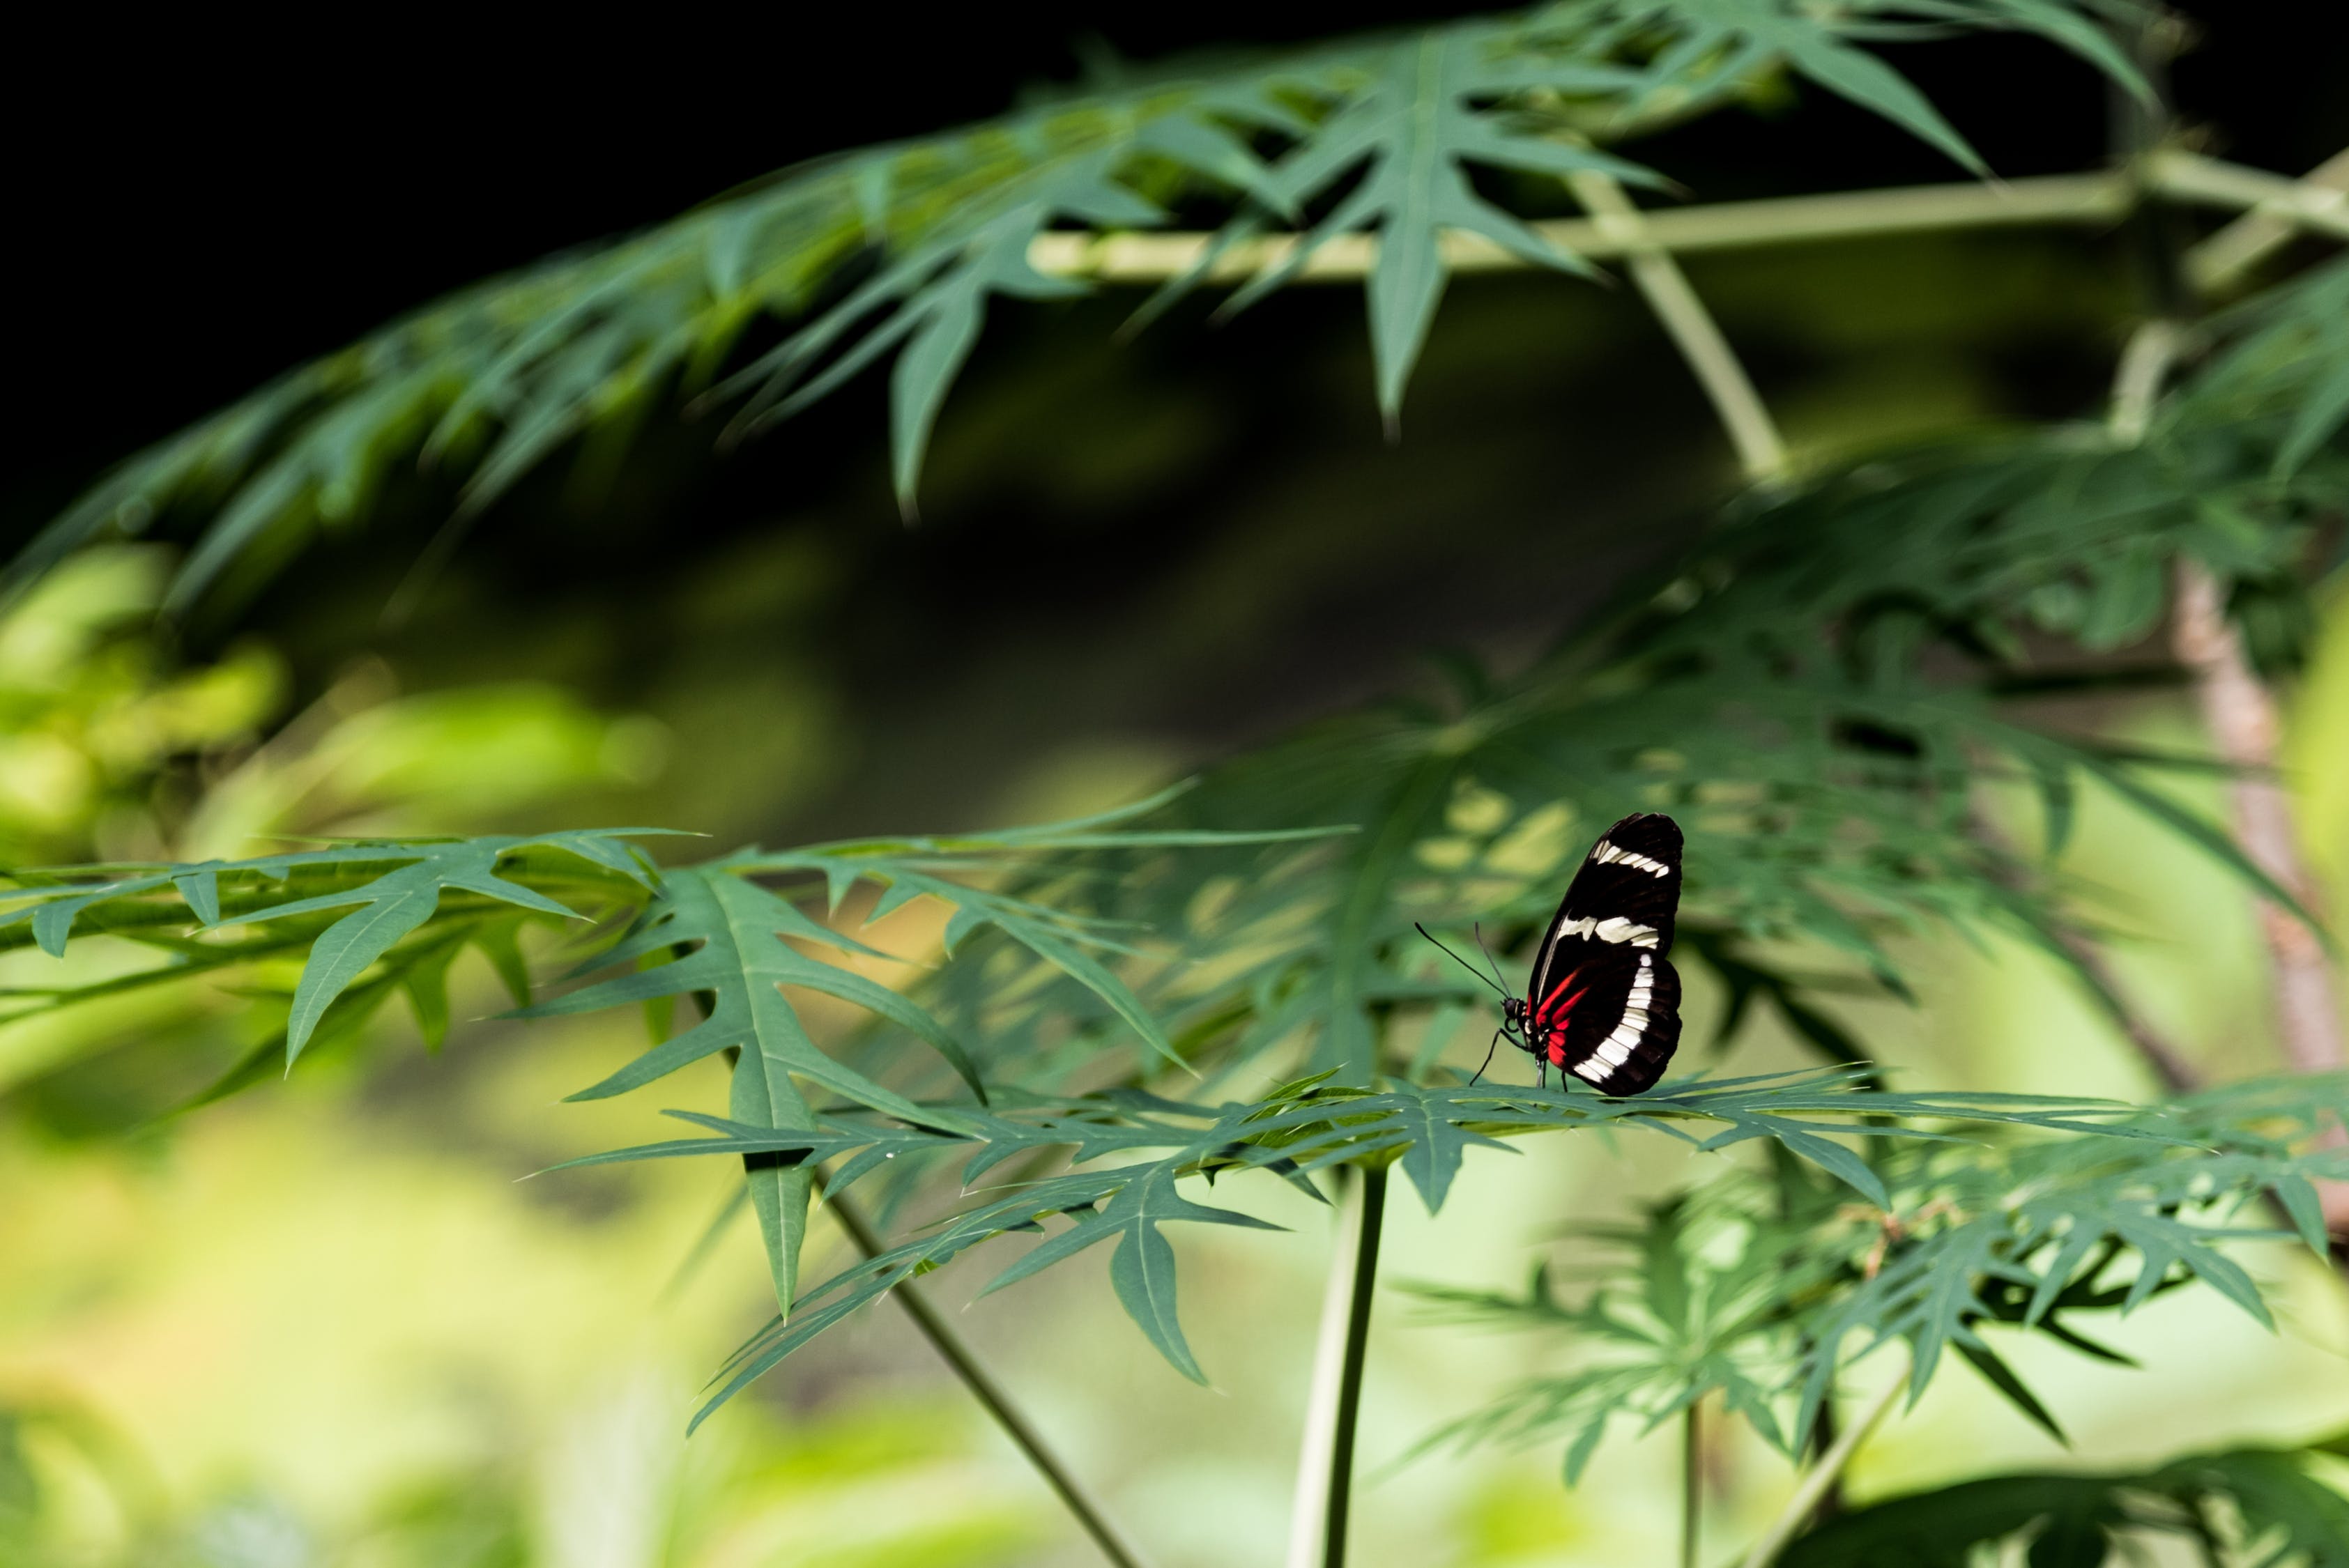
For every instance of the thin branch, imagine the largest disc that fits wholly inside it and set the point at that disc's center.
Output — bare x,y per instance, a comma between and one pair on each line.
2178,1074
2144,364
2087,199
2218,262
2238,709
2241,714
1822,1475
1761,450
2187,177
983,1386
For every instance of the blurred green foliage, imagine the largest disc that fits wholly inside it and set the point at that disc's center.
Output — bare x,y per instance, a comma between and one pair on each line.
611,1490
98,730
114,749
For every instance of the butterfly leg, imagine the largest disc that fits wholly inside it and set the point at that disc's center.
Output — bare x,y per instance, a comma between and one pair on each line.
1488,1058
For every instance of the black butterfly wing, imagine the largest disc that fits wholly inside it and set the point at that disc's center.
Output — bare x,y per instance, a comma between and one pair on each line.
1605,1001
1614,1022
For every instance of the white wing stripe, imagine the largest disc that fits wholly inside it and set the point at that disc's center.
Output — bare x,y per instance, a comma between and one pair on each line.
1614,928
1604,852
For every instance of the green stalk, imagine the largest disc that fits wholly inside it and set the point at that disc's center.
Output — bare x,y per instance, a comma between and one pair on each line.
1692,1482
1349,1376
1752,433
2086,200
1314,1444
2218,263
1813,1489
964,1362
983,1386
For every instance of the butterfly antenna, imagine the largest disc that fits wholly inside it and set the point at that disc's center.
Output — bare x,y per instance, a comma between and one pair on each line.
1488,1058
1462,962
1479,929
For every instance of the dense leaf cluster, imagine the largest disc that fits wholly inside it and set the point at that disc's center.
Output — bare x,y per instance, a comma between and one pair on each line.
1375,132
370,919
1298,1130
1763,1294
366,921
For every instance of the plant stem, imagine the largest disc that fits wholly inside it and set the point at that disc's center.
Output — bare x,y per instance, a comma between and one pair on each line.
1312,1498
1821,1476
2214,266
2312,204
1692,1482
1349,1377
2090,200
983,1386
1760,451
1325,1462
2177,1071
2240,713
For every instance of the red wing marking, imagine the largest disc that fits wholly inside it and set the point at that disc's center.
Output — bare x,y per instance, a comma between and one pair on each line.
1564,1011
1541,1013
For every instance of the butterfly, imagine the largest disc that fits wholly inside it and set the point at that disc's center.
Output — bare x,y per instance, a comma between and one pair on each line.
1604,1000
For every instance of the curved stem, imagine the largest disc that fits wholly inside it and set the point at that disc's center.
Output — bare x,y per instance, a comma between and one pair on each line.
1761,449
1823,1475
2161,1056
983,1386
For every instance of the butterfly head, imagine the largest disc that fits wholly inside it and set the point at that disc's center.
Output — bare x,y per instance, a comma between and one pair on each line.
1512,1015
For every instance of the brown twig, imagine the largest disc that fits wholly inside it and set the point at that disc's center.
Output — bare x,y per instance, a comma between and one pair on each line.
2178,1074
2238,710
990,1394
2240,715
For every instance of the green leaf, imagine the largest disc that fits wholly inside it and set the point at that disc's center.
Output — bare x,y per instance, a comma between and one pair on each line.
738,955
200,885
347,949
386,906
2296,1195
1416,121
2017,1393
2072,1520
1299,1128
425,978
1864,79
762,1095
1142,1271
1438,1145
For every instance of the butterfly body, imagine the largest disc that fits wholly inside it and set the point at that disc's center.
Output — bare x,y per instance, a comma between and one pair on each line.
1603,1003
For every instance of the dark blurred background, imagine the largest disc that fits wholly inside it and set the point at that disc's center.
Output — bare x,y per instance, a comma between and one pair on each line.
1167,546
